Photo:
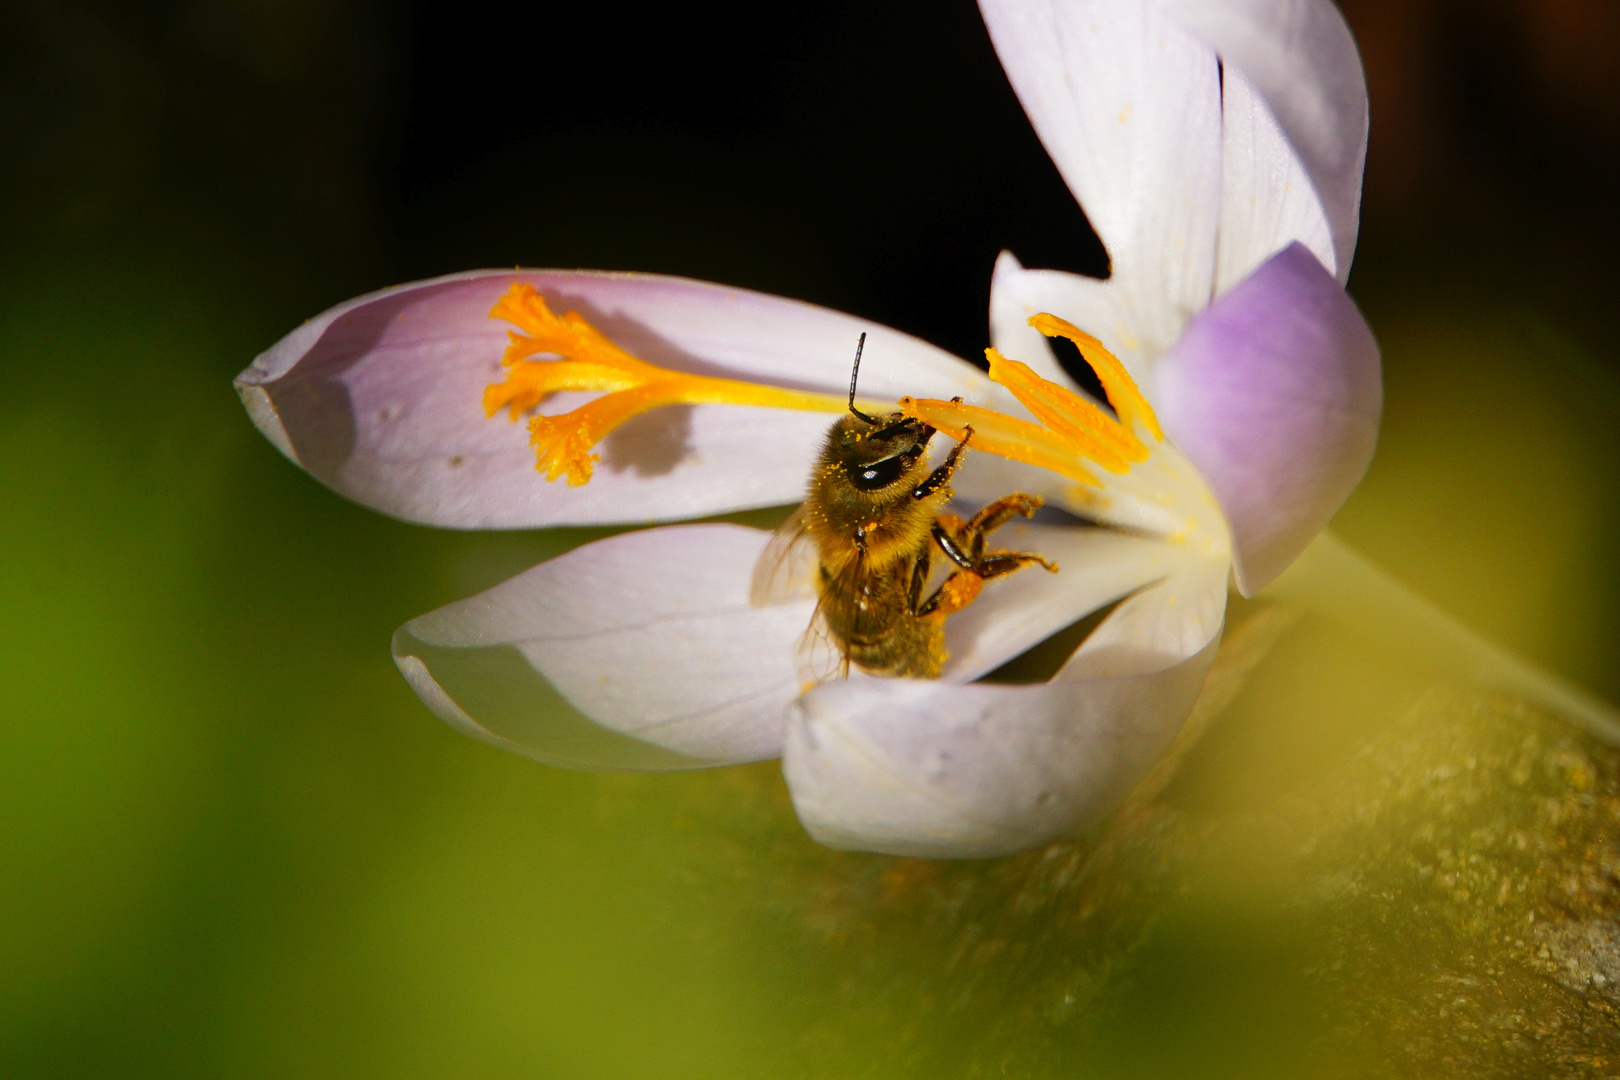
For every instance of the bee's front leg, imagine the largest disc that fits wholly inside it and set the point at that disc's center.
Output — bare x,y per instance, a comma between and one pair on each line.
947,468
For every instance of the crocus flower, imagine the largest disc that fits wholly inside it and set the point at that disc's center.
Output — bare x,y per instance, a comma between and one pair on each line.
1215,145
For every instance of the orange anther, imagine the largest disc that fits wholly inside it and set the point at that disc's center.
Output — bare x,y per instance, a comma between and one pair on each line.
1121,389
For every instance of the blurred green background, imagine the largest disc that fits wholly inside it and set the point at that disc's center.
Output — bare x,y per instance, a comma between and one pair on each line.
231,841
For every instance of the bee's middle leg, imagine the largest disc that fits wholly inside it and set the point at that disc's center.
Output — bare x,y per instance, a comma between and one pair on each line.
963,543
994,516
963,587
999,563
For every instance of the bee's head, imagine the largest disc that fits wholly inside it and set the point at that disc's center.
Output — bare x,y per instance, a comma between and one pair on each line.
877,453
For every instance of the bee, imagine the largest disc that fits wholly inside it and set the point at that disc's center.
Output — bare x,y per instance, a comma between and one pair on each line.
873,514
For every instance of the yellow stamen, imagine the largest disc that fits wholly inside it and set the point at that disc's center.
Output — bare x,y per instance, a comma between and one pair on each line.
1117,383
1006,436
1075,430
569,336
591,362
1096,434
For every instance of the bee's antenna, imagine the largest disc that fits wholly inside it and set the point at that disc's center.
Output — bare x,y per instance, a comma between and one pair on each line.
853,375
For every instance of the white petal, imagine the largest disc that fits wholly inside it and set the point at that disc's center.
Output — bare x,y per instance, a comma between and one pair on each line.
1128,105
1302,58
523,714
1015,613
1175,618
1100,308
381,398
985,477
909,767
635,652
1267,200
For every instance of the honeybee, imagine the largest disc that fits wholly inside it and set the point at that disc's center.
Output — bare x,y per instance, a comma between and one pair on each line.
873,514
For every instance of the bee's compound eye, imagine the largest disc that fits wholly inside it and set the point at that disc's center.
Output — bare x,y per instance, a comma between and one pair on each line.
879,474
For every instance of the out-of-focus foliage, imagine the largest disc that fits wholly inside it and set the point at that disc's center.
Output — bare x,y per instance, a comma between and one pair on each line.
232,842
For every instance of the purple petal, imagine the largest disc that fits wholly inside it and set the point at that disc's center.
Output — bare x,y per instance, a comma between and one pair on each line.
908,767
381,398
1275,393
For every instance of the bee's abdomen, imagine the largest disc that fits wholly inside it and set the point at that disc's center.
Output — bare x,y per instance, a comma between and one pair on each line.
913,648
879,633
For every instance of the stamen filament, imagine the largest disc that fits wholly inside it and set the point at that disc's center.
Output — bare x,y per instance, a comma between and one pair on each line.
592,362
528,382
1076,431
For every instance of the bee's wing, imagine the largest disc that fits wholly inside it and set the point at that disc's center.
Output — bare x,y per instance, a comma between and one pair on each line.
789,569
822,655
786,569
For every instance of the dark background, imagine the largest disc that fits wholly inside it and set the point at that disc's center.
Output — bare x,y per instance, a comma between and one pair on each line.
230,840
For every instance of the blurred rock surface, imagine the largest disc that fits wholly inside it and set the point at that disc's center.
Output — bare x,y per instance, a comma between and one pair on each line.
1440,898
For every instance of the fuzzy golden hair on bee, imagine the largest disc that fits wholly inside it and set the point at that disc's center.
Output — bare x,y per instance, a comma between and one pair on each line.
875,512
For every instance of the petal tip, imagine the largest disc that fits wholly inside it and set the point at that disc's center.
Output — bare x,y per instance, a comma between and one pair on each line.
434,697
261,409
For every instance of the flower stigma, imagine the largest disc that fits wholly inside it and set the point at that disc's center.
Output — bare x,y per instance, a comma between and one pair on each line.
589,361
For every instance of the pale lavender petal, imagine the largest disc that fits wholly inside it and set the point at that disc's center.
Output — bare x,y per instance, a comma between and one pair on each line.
908,767
1175,618
1128,105
640,651
1275,393
1303,60
381,398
